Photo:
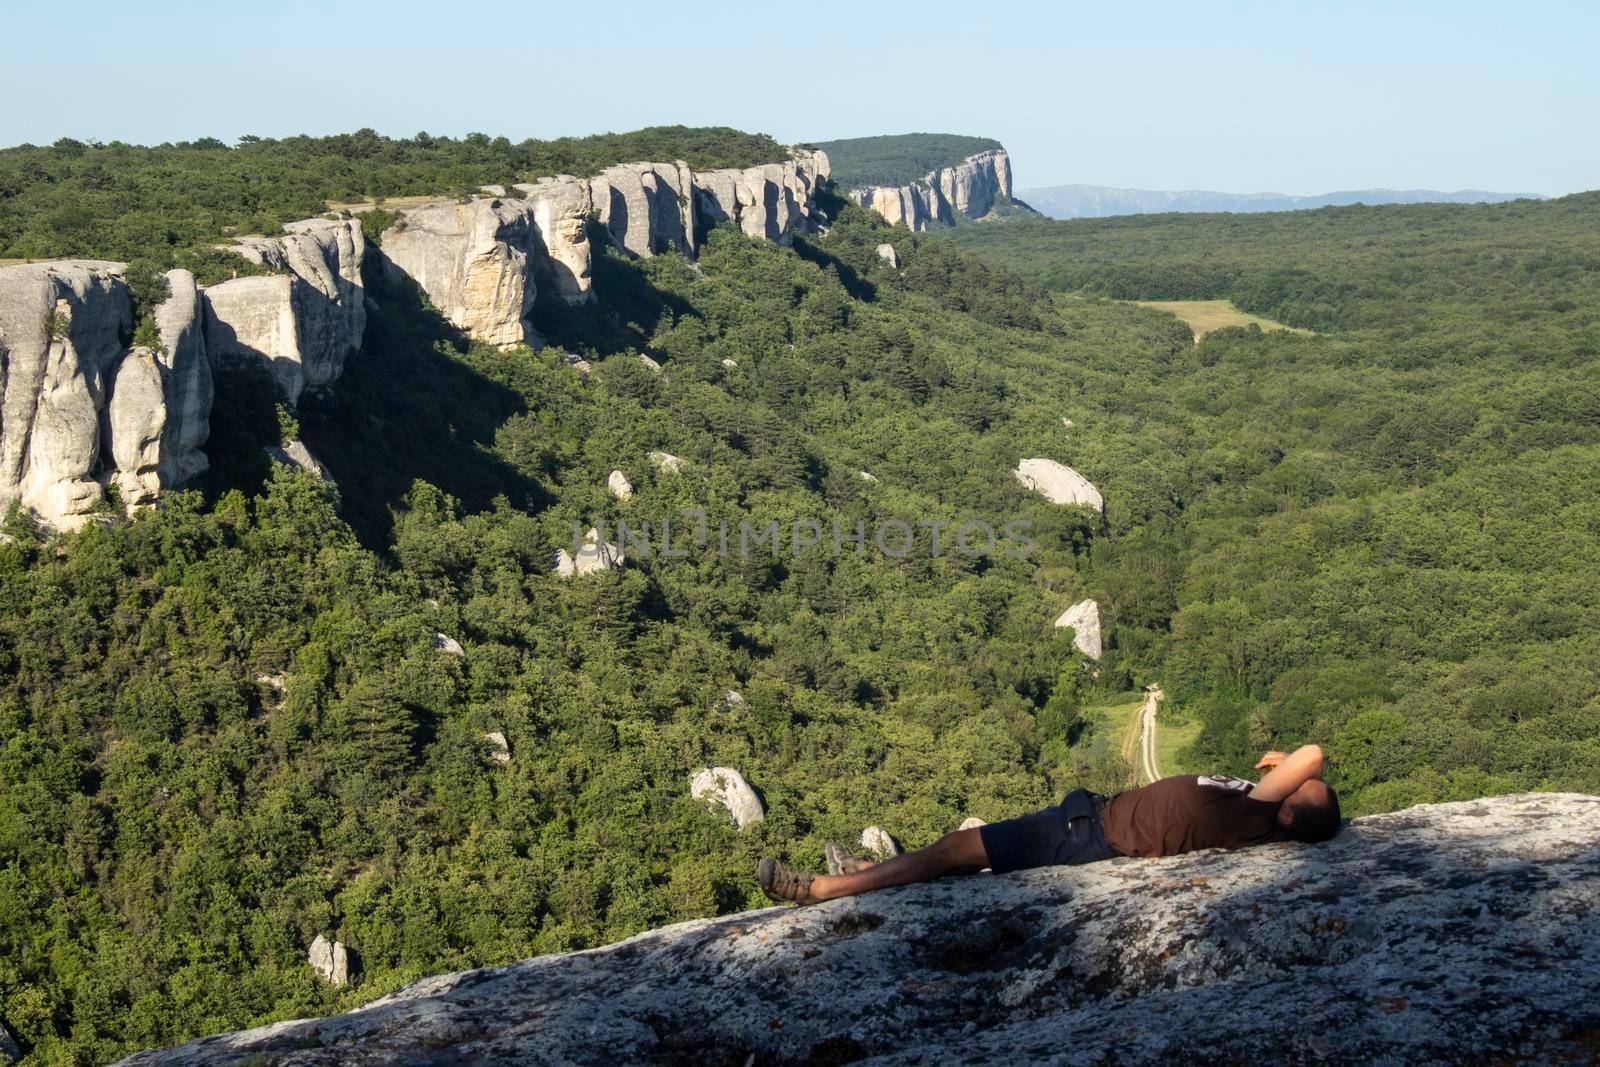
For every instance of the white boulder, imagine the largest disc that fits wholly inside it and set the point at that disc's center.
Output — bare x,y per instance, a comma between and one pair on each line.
619,486
1084,618
877,840
499,749
726,787
1058,483
666,461
593,556
331,961
448,645
887,253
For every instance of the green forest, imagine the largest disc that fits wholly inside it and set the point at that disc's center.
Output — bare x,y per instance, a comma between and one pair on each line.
226,726
898,159
128,202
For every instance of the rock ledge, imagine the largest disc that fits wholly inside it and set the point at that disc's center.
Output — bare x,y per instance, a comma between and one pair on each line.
1432,935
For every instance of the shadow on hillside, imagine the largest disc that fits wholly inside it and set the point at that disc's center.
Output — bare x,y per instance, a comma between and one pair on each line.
854,284
405,410
626,311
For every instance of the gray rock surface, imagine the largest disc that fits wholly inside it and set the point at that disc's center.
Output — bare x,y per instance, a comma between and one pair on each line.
726,787
294,453
563,256
62,326
499,749
593,557
887,253
473,261
1437,935
1058,483
159,411
648,208
448,645
1084,618
331,961
967,190
773,201
617,485
302,320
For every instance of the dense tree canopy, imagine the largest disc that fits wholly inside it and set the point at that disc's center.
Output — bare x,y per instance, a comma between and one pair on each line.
899,158
226,726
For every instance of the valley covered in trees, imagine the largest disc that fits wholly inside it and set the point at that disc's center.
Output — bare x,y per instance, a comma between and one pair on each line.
227,726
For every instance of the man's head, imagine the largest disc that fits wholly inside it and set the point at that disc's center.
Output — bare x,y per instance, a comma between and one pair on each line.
1310,813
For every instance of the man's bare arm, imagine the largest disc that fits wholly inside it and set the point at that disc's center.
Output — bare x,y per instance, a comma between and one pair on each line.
1289,772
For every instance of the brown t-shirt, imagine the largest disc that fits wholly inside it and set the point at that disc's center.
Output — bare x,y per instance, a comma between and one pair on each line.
1188,812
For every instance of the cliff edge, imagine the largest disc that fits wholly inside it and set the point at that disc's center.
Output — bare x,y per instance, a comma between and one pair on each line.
1443,933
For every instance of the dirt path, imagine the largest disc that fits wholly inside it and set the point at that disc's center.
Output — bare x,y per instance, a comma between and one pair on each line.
1147,733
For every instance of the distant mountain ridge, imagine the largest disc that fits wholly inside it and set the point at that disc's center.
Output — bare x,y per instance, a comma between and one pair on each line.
1099,201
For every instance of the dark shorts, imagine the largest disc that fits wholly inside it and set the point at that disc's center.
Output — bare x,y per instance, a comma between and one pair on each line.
1070,832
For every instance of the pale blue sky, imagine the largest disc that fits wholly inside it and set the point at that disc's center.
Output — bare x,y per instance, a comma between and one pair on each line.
1230,96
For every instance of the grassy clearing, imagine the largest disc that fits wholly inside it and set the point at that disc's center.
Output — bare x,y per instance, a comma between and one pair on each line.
1170,740
1204,316
389,203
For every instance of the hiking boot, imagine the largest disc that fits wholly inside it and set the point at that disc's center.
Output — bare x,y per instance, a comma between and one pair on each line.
783,884
840,861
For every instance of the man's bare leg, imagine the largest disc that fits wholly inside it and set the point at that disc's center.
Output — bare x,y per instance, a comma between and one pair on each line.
960,852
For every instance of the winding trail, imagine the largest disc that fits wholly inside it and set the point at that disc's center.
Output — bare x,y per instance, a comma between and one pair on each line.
1147,733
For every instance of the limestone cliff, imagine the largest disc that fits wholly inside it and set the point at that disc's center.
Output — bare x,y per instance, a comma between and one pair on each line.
63,328
159,412
967,190
81,409
302,320
481,261
1441,934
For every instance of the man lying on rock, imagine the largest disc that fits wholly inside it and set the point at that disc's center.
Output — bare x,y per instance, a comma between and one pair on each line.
1183,813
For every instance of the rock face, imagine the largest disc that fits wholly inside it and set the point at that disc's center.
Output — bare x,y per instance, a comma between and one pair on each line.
62,327
331,961
772,201
619,486
967,190
594,556
473,261
647,208
727,787
499,750
1442,934
481,262
876,840
563,258
1058,483
448,645
887,253
302,320
1084,618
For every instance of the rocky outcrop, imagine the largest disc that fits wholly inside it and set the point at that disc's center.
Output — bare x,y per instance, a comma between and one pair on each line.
481,262
473,261
294,453
159,411
967,190
647,208
726,787
63,328
562,256
448,645
887,253
1446,933
331,961
619,486
1058,483
593,557
773,201
666,462
879,842
303,319
1084,618
499,749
